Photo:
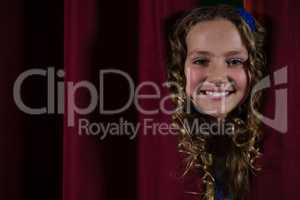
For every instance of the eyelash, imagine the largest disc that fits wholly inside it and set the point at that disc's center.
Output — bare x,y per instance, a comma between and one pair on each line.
201,61
230,62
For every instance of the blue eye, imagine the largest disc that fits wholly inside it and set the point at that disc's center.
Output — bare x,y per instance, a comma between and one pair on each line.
234,62
202,62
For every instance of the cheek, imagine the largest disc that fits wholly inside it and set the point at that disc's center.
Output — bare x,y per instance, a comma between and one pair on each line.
240,78
194,76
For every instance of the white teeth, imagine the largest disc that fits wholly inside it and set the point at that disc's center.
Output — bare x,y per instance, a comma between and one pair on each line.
216,94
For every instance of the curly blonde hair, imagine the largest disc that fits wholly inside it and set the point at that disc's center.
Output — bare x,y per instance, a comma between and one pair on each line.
199,148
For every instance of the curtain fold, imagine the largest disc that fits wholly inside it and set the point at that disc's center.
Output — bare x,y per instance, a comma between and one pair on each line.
11,135
158,167
82,164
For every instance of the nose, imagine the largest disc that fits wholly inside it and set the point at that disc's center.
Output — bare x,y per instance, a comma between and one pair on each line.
217,73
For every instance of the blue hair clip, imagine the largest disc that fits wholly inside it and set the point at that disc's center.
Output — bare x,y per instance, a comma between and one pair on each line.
248,18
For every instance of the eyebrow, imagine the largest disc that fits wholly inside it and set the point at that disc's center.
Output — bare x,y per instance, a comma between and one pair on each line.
207,53
234,52
200,52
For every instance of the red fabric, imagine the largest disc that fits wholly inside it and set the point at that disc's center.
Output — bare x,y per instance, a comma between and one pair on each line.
279,179
158,167
82,168
11,134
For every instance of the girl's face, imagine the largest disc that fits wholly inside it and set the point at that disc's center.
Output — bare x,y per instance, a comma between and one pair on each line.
215,67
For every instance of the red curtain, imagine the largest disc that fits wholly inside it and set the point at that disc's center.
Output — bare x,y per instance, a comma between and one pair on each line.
11,136
158,161
82,169
41,157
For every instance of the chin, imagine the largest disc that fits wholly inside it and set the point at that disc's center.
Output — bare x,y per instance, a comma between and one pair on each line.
218,111
218,115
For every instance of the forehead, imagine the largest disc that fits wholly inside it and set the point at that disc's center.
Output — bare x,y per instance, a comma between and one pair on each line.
216,36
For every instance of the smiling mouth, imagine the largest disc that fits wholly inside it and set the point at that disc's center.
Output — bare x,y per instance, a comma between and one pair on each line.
216,94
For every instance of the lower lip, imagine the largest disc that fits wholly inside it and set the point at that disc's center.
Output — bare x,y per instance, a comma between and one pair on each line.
218,98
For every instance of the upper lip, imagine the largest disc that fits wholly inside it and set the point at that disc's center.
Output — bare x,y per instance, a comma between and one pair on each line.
219,90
